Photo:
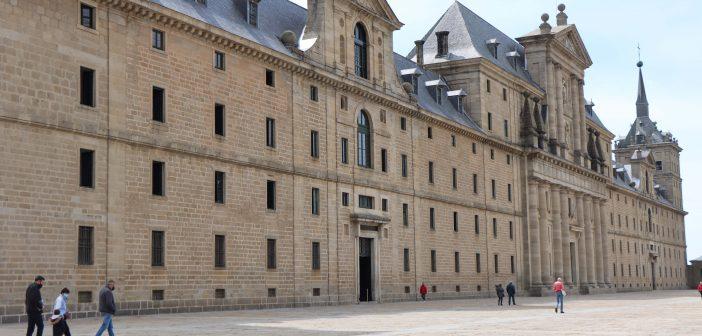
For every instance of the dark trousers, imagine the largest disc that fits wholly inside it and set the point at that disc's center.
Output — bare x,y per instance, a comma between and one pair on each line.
61,329
424,297
499,300
35,320
510,300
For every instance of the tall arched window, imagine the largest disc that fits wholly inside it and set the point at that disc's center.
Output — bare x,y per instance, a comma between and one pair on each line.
364,140
361,51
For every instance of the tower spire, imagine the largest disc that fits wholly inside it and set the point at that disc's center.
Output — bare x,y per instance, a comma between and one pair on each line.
641,100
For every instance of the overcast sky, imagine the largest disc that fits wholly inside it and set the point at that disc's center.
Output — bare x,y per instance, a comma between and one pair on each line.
671,51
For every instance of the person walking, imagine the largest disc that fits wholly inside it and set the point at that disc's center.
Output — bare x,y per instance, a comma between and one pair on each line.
61,305
500,294
107,308
423,291
34,305
511,292
699,288
560,293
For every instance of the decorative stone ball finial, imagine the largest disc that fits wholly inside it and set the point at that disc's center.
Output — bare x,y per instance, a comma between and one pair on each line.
561,7
545,28
639,64
561,17
544,17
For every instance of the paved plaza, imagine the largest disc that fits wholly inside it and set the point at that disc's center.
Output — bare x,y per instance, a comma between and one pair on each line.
658,313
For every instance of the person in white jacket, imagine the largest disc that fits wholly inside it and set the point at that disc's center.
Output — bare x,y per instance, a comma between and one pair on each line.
61,305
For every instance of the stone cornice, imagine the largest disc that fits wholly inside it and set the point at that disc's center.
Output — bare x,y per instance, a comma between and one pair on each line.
648,199
539,154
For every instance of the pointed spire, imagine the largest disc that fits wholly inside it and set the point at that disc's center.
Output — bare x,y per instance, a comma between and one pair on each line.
641,100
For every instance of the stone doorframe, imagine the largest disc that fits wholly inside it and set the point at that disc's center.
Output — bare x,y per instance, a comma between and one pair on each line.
373,227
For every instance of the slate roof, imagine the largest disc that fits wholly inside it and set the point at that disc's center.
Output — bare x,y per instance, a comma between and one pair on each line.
425,98
468,37
592,115
274,17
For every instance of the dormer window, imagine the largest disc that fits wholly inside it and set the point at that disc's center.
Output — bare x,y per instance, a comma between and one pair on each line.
252,9
640,139
456,98
202,2
412,76
492,45
513,58
436,88
439,95
442,46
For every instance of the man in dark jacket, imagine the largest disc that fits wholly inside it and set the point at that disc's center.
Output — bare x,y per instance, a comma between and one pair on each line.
34,305
107,308
511,292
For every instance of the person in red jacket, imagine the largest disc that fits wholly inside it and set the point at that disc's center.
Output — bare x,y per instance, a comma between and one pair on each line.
699,288
423,291
560,293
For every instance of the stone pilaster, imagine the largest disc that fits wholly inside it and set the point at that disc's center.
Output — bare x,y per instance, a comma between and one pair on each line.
582,254
589,242
552,104
577,118
583,131
565,233
560,118
556,226
603,230
534,236
543,232
598,242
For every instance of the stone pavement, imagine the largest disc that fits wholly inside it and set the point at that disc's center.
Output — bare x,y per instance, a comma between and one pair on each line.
657,313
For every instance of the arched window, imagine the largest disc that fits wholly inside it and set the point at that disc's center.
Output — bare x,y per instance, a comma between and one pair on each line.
364,140
361,51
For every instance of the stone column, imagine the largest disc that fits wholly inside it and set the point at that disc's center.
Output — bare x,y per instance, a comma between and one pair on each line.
582,255
560,118
534,235
583,131
557,236
543,232
605,254
565,233
577,118
551,95
589,242
598,241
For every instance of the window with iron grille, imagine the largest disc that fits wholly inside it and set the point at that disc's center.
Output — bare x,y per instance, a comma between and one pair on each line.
316,259
157,248
270,254
220,293
220,251
87,16
85,245
219,187
454,178
253,13
511,264
85,296
87,168
475,183
271,292
509,192
511,230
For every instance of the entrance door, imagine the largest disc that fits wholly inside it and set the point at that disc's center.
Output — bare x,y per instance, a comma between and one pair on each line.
365,269
653,276
573,258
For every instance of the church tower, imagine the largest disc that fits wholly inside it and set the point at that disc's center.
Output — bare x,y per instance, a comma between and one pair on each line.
644,135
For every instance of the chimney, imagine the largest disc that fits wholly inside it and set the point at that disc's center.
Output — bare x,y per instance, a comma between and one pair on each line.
545,27
442,44
562,18
420,52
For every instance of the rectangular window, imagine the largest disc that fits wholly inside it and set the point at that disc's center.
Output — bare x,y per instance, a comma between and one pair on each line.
220,293
314,93
87,16
455,221
316,258
475,183
271,292
511,230
492,154
158,39
270,254
476,219
220,256
405,214
87,86
509,159
158,107
158,178
433,260
383,160
477,262
219,60
494,189
494,227
454,178
314,144
497,264
488,86
453,140
431,172
429,133
219,187
509,192
404,165
504,94
270,195
344,102
85,297
506,128
315,201
489,121
365,202
511,264
383,116
157,295
474,148
384,205
157,248
345,199
457,262
344,150
406,260
270,132
85,245
270,77
403,123
432,222
87,168
219,119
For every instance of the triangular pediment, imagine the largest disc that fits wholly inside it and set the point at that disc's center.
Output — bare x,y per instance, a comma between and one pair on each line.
380,8
570,39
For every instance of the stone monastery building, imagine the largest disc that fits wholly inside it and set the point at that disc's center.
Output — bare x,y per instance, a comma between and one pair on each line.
230,154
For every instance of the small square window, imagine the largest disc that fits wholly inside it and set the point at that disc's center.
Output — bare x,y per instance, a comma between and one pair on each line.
314,93
220,293
316,292
87,16
157,295
407,289
85,296
433,289
219,60
158,39
270,77
271,292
